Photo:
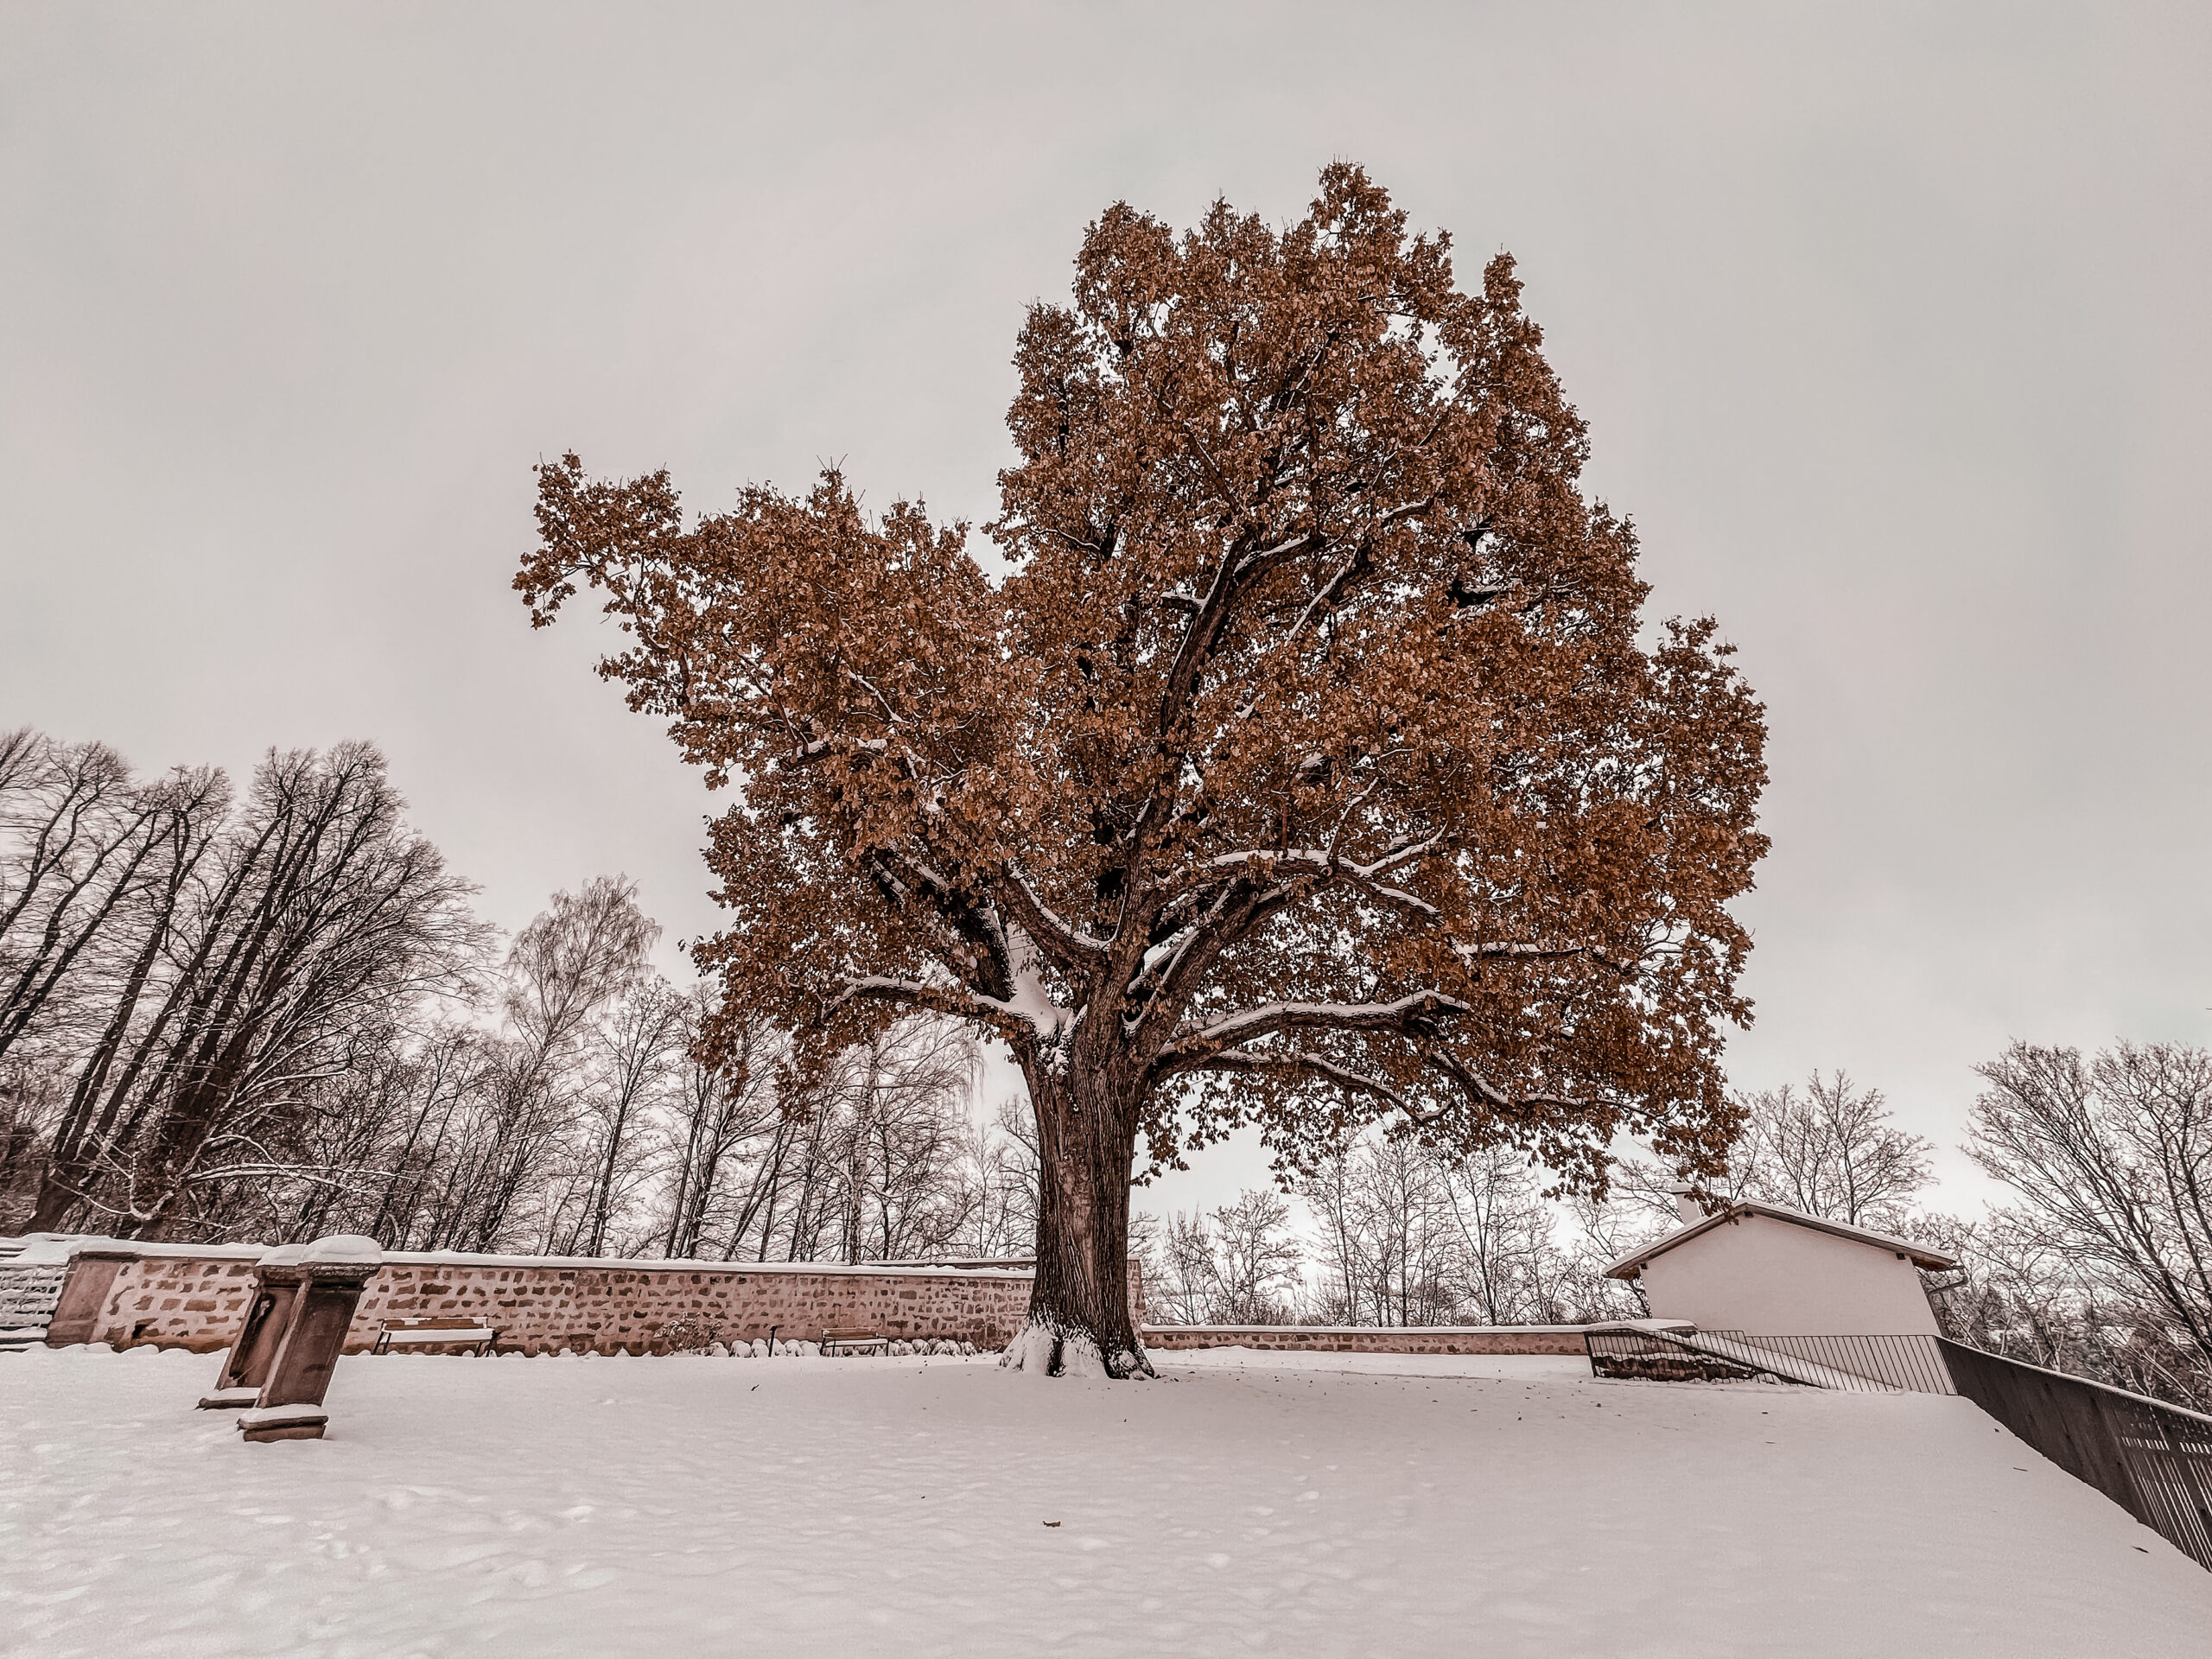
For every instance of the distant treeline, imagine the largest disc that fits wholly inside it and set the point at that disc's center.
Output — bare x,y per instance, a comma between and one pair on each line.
2101,1265
271,1014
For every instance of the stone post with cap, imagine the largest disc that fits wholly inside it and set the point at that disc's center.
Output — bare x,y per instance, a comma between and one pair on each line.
245,1365
292,1338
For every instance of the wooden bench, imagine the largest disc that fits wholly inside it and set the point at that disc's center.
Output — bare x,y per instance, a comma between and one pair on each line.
434,1333
852,1342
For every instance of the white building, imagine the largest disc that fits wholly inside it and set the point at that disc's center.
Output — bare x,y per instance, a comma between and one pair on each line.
1774,1272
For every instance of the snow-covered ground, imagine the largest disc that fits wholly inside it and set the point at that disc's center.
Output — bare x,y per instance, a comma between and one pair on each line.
1306,1504
1497,1367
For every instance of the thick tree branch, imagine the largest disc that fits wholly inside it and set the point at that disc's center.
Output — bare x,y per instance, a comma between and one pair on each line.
1068,949
1244,1062
1408,1014
1007,1015
1328,869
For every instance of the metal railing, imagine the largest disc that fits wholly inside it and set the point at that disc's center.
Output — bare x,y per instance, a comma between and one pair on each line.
2152,1459
1890,1365
28,1292
1899,1364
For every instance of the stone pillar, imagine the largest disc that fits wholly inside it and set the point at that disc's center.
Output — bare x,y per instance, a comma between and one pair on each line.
246,1366
84,1294
332,1273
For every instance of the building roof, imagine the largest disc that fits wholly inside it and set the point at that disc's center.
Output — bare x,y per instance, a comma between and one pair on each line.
1920,1256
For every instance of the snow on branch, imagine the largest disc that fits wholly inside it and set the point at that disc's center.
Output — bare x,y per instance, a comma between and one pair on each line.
1059,939
956,1002
1247,1062
1029,1010
1403,1014
1334,868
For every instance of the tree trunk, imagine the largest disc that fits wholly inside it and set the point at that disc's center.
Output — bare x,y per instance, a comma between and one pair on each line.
1079,1321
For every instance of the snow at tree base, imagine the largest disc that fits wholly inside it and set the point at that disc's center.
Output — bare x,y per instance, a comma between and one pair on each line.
1310,1504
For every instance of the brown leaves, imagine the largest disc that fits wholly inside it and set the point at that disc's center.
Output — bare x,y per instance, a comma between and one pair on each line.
1316,683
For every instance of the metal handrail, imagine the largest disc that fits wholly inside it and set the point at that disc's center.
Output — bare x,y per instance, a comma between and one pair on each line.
2152,1458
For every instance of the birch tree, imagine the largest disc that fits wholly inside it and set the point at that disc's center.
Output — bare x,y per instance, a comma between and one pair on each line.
1311,766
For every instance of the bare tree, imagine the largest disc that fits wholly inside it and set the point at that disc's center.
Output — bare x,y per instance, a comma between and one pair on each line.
875,1159
1180,1273
2111,1161
586,950
1830,1152
1238,1264
1606,1229
1389,1235
634,1047
1409,1236
315,911
430,1098
718,1107
1001,1168
191,808
345,916
84,834
903,1101
1509,1266
1255,1260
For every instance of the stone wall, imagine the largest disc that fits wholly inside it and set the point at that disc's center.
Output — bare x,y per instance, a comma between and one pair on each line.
132,1295
1372,1339
174,1297
196,1297
606,1305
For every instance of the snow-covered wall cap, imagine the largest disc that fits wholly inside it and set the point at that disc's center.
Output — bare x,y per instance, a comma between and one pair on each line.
1920,1256
683,1264
343,1249
33,1248
57,1246
60,1247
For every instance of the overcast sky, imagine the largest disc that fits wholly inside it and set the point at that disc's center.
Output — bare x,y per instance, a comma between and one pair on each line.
1888,323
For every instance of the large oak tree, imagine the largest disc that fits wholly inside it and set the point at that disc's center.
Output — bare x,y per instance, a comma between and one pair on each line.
1310,766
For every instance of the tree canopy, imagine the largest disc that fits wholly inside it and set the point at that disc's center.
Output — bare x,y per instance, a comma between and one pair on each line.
1311,766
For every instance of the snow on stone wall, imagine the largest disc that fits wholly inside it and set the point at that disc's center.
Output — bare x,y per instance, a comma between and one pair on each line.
178,1299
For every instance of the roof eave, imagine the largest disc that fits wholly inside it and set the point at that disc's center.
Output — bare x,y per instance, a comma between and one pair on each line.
1627,1267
